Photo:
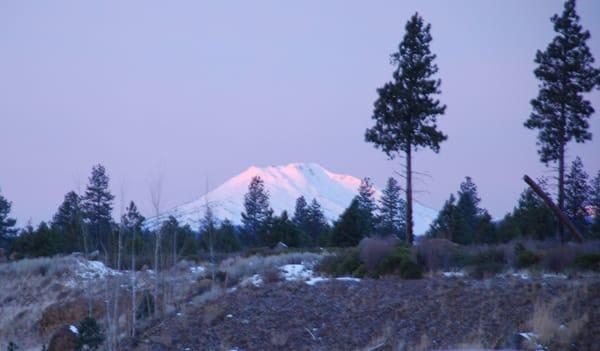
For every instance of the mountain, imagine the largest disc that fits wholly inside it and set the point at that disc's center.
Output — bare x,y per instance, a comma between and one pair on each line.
285,184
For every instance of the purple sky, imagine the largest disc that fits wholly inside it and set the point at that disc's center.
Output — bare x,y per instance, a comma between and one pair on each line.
201,90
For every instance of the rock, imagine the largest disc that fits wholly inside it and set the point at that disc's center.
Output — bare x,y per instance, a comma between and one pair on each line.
94,255
63,339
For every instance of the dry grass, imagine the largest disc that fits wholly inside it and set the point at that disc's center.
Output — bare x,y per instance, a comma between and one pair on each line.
550,330
543,323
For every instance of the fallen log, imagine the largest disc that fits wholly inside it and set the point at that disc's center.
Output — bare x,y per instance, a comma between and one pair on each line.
559,214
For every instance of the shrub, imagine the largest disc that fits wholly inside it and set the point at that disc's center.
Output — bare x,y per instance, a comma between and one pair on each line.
410,270
399,263
588,262
89,334
558,259
345,262
373,250
272,275
436,254
486,263
525,258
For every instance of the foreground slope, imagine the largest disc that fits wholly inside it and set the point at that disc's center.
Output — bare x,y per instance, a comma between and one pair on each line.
285,184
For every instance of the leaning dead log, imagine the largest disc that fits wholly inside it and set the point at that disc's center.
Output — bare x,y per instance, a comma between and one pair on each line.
559,214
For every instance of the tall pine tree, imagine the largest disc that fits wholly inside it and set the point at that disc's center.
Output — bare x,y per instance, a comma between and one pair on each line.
577,193
257,210
97,205
7,224
406,111
392,211
560,112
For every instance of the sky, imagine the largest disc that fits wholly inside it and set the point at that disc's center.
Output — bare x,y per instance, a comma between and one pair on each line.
194,92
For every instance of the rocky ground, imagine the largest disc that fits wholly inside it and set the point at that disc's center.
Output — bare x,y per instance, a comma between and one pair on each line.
556,313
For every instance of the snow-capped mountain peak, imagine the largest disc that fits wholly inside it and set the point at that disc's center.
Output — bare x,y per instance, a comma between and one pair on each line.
285,184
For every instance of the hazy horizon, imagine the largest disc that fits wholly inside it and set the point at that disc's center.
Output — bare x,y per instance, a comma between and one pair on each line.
196,92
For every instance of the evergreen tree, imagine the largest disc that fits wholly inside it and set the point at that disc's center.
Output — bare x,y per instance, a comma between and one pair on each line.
7,230
406,111
577,192
533,217
317,226
595,205
392,211
257,210
227,239
446,223
462,220
97,208
40,242
67,222
560,112
351,227
366,203
301,213
89,336
468,211
281,229
310,220
133,219
595,194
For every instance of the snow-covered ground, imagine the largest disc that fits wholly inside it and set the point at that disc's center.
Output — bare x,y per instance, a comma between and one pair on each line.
296,272
285,184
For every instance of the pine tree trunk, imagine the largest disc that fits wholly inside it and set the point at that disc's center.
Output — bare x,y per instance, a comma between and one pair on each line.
409,205
561,190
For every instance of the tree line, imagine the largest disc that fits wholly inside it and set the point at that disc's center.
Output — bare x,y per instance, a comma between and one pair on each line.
406,111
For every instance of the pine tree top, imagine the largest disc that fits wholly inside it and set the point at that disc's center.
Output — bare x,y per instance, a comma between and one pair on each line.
406,111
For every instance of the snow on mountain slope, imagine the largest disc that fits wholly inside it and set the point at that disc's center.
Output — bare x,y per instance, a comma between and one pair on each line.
285,184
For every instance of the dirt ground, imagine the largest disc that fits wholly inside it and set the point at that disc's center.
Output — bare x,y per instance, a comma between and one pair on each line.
387,314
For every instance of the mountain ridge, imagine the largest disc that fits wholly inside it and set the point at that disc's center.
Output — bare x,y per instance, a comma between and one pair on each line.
285,184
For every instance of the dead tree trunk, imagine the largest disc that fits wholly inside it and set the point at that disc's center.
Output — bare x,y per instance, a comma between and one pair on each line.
563,220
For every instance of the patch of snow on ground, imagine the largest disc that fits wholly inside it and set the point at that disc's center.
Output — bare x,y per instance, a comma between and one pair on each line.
453,274
522,275
255,280
348,279
198,270
315,280
296,272
554,275
93,270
